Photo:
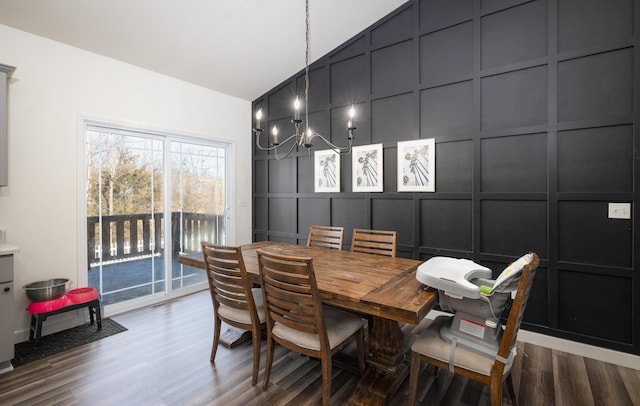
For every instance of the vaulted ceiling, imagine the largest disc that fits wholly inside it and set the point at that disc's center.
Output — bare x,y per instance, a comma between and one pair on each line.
242,48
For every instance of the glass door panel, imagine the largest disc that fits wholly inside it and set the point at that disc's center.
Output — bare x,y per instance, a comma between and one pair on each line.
198,204
125,221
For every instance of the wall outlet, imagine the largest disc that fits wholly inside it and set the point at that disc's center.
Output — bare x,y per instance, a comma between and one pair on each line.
3,234
619,210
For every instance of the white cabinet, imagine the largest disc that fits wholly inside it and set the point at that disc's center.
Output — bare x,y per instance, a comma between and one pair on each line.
6,315
5,72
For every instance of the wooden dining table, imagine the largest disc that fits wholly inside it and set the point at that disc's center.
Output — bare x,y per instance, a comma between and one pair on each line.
382,288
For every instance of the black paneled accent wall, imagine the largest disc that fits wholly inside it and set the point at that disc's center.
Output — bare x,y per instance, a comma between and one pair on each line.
534,109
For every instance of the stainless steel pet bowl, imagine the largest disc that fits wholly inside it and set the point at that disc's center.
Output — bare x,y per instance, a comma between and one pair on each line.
42,291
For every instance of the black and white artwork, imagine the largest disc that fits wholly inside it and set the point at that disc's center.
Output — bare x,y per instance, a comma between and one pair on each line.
367,168
326,171
417,166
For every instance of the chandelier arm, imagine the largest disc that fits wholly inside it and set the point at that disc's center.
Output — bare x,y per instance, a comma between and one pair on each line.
280,158
260,147
338,150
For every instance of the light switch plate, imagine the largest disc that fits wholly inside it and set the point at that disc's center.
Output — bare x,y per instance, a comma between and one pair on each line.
619,210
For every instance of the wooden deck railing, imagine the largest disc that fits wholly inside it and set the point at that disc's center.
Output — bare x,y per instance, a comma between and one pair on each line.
122,237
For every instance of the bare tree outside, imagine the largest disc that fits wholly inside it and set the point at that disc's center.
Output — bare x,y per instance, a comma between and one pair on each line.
126,215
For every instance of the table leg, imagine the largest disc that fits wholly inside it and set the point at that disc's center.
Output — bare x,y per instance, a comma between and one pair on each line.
387,364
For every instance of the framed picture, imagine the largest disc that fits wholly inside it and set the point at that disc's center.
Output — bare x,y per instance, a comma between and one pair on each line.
417,166
367,170
326,171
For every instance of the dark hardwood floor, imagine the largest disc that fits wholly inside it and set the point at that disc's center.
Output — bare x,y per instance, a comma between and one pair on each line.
163,359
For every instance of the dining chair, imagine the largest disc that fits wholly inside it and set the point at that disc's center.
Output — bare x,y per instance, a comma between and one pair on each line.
326,237
378,242
297,320
234,300
430,347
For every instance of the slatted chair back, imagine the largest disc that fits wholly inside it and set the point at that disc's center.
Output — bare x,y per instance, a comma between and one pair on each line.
234,300
291,293
326,237
379,242
297,320
518,307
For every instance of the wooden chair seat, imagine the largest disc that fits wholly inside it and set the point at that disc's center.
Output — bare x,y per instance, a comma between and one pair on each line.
438,349
244,316
340,326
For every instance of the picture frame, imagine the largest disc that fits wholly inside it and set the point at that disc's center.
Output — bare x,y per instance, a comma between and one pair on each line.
326,171
367,168
417,165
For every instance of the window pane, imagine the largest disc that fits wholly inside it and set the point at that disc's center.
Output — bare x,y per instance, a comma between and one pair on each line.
197,203
124,214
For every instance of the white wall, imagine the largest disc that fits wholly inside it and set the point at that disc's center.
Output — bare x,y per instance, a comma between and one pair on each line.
55,84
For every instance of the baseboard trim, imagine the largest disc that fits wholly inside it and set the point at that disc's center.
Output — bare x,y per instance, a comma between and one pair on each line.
585,350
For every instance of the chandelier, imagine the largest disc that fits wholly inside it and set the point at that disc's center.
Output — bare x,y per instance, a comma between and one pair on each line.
308,136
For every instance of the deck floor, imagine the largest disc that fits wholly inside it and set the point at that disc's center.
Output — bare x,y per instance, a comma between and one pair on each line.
140,277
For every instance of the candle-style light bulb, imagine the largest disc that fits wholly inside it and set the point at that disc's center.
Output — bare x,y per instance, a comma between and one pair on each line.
309,135
350,125
296,108
274,131
258,118
352,114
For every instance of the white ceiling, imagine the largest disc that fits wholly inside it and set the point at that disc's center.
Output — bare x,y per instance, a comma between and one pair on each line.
242,48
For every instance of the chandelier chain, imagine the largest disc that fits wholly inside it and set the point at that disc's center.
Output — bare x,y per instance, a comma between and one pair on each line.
303,138
306,64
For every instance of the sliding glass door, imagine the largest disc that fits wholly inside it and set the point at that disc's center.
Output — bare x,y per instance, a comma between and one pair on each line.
140,186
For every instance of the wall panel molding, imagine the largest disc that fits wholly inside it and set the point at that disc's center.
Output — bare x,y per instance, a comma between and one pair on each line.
534,108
